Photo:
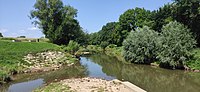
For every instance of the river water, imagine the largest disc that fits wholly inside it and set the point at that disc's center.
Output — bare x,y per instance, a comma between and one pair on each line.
152,79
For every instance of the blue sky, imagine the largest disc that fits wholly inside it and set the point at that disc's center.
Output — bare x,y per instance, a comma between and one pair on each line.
92,14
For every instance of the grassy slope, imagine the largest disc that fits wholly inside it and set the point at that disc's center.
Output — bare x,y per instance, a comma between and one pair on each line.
11,54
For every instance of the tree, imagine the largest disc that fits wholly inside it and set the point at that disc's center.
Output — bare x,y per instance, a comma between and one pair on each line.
130,20
57,21
161,17
1,35
107,32
82,38
104,44
141,46
176,45
93,39
187,12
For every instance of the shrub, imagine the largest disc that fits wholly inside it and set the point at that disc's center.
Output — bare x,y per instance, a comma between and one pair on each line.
7,38
1,35
72,47
140,46
21,37
176,43
104,44
112,46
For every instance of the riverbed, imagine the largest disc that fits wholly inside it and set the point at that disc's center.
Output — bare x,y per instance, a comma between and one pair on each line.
149,78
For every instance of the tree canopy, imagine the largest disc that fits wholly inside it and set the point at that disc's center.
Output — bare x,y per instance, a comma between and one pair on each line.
57,21
187,12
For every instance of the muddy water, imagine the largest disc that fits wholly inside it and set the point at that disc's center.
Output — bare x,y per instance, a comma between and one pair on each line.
29,82
147,77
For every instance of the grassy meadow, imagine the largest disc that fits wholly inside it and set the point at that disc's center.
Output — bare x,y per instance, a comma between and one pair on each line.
11,54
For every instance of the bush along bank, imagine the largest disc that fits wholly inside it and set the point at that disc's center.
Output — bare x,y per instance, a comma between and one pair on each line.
172,48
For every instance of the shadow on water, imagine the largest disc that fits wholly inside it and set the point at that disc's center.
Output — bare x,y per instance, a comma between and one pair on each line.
152,79
28,82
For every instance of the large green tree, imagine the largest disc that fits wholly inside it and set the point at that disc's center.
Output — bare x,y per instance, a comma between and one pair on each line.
130,20
107,32
161,17
94,38
57,21
187,12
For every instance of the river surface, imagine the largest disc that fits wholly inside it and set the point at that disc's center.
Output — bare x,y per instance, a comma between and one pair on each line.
151,79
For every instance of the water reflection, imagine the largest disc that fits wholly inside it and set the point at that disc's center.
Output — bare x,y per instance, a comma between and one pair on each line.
147,77
27,86
28,82
95,70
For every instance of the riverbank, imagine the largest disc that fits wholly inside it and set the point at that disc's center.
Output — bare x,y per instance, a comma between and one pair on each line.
192,65
86,85
20,57
47,61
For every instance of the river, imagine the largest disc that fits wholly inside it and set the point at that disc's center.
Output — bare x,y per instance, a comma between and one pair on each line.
151,79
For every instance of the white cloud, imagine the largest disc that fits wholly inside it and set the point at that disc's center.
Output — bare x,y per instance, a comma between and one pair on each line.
2,30
33,28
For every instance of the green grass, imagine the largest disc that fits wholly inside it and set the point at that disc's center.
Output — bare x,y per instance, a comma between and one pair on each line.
11,54
54,87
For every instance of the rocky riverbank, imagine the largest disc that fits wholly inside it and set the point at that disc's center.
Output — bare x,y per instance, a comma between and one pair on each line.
86,85
47,61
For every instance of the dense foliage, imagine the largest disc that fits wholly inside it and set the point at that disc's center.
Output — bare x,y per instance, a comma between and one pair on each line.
57,21
187,12
72,47
176,45
104,44
1,35
172,47
130,20
141,46
161,17
116,32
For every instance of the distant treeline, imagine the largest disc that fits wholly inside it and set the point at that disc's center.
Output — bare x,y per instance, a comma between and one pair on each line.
186,12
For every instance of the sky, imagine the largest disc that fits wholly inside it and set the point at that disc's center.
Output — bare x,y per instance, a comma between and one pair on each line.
92,14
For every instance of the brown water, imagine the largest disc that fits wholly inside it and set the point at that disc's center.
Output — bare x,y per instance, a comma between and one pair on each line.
31,81
147,77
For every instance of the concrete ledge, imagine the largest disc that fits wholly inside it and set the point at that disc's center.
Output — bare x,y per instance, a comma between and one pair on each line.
131,86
